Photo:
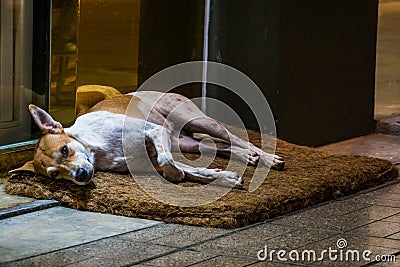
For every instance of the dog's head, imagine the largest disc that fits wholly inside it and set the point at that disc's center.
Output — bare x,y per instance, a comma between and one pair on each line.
57,154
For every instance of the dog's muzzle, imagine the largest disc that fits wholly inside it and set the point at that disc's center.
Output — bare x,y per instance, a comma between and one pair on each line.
83,176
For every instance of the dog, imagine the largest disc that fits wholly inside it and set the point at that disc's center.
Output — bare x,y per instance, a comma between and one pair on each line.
150,124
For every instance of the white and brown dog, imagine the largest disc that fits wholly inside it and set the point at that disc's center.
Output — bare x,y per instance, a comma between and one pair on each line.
162,122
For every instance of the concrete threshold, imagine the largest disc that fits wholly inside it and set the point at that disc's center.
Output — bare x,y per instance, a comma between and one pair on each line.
57,228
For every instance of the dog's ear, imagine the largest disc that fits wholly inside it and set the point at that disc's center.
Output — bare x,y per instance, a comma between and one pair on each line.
28,167
45,121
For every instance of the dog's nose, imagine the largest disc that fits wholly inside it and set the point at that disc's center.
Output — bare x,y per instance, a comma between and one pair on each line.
82,175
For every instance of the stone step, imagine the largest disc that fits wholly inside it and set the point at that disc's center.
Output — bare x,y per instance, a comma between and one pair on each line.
389,125
375,145
27,207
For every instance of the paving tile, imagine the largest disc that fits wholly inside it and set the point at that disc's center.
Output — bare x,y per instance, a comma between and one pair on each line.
188,235
112,251
365,240
376,252
243,244
248,243
338,223
224,261
9,201
118,252
395,218
395,236
387,264
274,263
387,192
56,228
333,224
329,263
152,233
180,258
381,201
389,243
380,198
311,216
378,229
374,213
393,189
335,207
296,239
57,258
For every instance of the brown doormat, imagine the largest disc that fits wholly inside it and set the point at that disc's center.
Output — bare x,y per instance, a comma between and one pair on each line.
311,176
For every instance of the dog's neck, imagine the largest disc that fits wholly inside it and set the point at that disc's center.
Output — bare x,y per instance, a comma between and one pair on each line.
102,138
90,141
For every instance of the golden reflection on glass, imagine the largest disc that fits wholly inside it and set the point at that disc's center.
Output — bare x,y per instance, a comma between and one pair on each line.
63,60
108,35
94,42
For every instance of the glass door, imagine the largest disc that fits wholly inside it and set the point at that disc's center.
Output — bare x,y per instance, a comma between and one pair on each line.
16,61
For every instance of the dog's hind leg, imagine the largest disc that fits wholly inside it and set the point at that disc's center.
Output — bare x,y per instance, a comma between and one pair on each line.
184,114
239,147
215,129
205,143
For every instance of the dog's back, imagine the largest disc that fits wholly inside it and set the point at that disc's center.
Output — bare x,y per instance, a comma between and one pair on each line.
132,106
117,104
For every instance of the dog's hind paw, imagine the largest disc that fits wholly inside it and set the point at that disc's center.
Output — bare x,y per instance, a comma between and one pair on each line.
278,163
272,161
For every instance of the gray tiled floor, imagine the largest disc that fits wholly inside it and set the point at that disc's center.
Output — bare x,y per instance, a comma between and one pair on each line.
174,245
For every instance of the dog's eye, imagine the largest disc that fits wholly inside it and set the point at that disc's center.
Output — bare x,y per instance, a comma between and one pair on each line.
54,174
64,151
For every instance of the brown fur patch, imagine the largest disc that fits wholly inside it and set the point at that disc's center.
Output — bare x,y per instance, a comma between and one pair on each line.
117,104
46,146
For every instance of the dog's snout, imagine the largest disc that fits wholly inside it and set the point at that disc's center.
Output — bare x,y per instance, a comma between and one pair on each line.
82,175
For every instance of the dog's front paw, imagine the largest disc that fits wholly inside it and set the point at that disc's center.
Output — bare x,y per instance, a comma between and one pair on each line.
228,179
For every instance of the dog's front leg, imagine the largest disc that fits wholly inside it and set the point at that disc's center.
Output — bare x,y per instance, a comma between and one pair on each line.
160,137
218,176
